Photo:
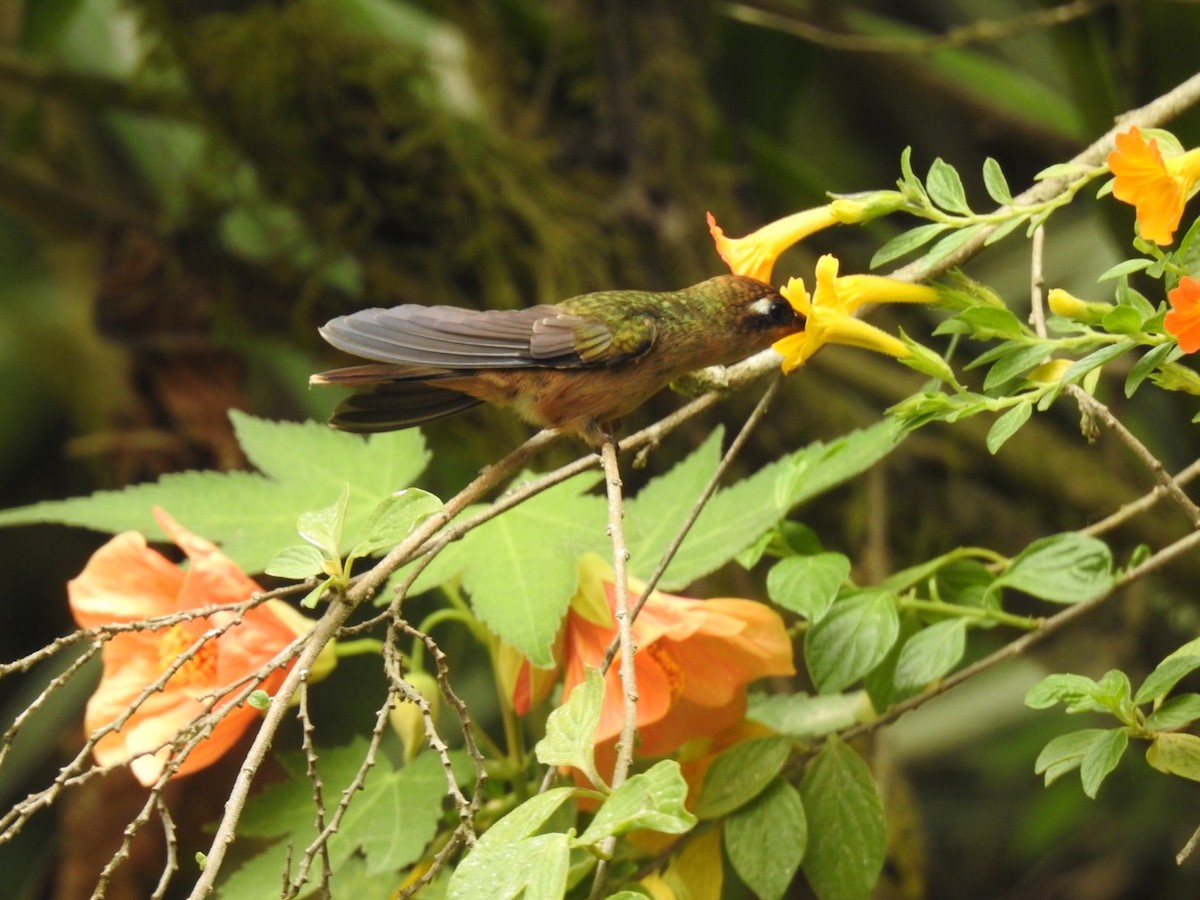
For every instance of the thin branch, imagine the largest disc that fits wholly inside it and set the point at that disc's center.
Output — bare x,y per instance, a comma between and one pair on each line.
1098,410
786,18
735,447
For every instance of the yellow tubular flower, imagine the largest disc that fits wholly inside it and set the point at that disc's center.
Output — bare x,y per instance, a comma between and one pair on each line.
830,312
754,255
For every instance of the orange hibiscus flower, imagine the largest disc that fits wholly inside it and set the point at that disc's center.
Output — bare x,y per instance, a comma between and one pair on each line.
127,582
693,662
1183,319
1157,188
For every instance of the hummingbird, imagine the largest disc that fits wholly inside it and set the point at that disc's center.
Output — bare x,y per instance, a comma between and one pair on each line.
578,365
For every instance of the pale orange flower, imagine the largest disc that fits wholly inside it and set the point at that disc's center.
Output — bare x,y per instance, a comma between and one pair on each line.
126,582
693,662
1158,188
1183,319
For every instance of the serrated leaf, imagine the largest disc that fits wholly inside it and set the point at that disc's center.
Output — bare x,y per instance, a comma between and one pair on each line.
253,514
1007,425
1101,758
852,638
653,799
738,515
807,585
393,519
502,861
995,182
1176,754
931,653
1061,568
653,516
945,188
846,837
571,729
519,582
298,562
765,840
740,773
1066,752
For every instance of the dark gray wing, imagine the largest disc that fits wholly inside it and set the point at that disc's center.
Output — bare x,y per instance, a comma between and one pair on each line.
389,407
452,338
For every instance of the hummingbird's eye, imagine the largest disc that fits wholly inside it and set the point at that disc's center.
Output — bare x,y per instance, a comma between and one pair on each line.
780,312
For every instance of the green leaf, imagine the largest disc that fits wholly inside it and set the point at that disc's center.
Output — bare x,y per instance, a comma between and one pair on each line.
1176,712
946,188
931,653
1111,694
1061,568
393,519
740,773
253,514
995,182
949,244
323,527
1122,320
1065,753
738,515
511,860
989,323
1008,425
921,359
1101,758
765,840
1150,361
1175,754
852,638
653,516
807,585
846,838
521,583
299,561
906,242
1125,267
802,717
1164,677
1095,360
571,729
1015,363
653,799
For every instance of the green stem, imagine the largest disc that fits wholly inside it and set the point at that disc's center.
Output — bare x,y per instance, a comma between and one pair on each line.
942,608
